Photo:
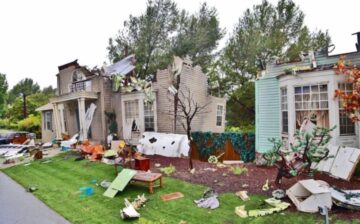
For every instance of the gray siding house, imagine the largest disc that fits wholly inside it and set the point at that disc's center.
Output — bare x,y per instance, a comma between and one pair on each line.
78,88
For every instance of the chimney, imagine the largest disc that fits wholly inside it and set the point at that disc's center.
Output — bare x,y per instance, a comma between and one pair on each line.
358,41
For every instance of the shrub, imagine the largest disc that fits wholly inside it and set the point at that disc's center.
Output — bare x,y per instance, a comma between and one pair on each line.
31,124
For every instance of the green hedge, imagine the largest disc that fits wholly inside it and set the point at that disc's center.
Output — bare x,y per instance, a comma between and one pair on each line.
243,142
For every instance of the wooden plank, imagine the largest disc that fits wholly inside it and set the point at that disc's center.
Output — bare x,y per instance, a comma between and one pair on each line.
343,167
120,182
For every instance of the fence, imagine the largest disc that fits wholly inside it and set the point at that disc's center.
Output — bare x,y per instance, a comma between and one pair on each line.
234,145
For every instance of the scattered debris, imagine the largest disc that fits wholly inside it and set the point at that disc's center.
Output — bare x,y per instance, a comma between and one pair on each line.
215,159
278,194
210,169
243,195
105,184
27,164
308,195
86,191
238,170
120,182
93,181
129,211
224,174
139,201
349,199
31,189
192,171
233,162
171,196
240,211
168,170
245,186
266,187
46,161
109,153
221,165
277,207
209,200
157,165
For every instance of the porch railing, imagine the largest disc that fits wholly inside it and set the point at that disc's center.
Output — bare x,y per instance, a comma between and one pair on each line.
80,86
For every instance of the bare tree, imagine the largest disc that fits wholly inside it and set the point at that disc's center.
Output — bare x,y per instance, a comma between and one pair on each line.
185,109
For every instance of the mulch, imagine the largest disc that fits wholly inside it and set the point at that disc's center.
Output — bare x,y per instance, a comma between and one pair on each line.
223,180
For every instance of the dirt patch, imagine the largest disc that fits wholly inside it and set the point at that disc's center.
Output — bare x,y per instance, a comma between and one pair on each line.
223,180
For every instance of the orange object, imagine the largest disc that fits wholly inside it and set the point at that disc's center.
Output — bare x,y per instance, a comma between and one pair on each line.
172,196
142,163
97,152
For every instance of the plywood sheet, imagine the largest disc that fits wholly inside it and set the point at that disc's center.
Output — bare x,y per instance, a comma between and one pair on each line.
325,165
345,163
172,196
120,182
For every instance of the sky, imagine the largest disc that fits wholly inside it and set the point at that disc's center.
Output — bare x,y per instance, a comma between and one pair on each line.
37,36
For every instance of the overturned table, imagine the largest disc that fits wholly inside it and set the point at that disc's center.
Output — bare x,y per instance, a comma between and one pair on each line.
148,178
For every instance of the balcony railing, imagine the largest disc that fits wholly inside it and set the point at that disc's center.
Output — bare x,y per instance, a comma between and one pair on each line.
80,86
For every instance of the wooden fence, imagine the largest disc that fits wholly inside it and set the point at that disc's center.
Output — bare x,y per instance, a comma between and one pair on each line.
230,153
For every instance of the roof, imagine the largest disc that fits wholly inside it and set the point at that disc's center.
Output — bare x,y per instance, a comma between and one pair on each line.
123,67
64,66
48,106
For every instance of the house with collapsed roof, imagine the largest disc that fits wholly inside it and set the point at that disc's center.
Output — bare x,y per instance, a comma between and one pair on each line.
287,93
84,96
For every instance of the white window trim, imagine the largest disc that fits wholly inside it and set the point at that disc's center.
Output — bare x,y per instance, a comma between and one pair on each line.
222,115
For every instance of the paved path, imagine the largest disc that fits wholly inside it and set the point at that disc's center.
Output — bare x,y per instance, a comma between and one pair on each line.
21,207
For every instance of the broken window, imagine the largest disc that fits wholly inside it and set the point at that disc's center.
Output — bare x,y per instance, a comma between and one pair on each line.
149,117
219,115
284,111
311,101
48,120
347,127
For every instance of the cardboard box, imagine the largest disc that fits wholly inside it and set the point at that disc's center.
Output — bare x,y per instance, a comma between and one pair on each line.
308,195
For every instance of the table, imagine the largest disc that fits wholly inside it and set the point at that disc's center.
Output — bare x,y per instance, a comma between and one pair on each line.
148,178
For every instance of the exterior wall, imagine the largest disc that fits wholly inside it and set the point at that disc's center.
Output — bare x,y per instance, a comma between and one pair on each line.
192,80
47,135
320,77
267,105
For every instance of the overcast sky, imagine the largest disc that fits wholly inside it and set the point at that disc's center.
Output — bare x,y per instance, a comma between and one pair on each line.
36,36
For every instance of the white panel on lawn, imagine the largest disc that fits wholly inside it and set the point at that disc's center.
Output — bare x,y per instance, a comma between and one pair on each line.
169,145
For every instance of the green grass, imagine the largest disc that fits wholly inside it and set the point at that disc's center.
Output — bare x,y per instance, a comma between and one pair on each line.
58,185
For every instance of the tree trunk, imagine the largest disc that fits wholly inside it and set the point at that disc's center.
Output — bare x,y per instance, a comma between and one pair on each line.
24,107
188,132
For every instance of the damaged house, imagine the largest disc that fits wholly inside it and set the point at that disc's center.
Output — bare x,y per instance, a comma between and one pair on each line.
84,97
287,93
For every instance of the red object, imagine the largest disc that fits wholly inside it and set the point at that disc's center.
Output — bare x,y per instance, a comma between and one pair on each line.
142,163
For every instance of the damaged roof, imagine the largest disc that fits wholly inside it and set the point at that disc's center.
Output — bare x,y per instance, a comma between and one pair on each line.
123,67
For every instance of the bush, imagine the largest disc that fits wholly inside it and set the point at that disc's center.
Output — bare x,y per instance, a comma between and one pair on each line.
31,124
244,128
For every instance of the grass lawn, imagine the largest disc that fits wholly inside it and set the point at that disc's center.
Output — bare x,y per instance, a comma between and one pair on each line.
58,185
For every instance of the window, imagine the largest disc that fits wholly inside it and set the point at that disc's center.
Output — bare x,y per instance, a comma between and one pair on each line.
149,117
311,101
48,120
219,115
284,111
131,109
347,127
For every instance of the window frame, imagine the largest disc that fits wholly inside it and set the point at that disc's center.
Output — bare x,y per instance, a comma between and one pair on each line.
342,113
48,120
284,110
148,115
219,116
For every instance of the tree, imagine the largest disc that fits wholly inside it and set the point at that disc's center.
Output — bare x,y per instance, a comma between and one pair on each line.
162,32
350,100
264,33
147,36
198,36
25,88
3,93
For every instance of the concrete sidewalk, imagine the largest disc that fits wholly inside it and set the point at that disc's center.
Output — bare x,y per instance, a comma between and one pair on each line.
19,206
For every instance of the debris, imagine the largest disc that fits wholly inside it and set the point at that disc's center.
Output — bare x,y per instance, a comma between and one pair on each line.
31,189
93,181
243,195
149,178
277,207
245,186
105,184
265,187
27,164
65,145
232,162
171,196
215,159
129,211
210,169
168,170
240,211
192,171
157,165
38,155
238,170
109,153
209,200
139,201
86,191
308,195
349,199
221,165
47,161
224,174
79,158
120,182
278,194
142,163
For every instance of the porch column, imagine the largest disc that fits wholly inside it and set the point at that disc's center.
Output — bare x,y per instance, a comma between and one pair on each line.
81,107
61,116
57,120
